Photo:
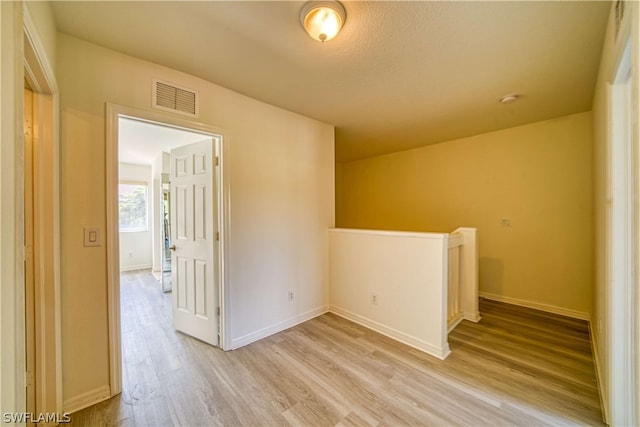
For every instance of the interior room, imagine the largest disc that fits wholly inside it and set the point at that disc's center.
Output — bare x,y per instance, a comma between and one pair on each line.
424,213
143,159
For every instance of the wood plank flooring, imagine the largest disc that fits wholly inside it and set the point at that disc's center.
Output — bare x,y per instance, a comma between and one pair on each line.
516,367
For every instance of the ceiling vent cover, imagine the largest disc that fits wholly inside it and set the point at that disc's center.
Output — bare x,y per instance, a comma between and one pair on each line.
170,97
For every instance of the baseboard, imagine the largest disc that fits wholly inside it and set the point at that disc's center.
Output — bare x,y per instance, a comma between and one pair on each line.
136,267
278,327
459,318
596,363
472,317
537,306
84,400
440,353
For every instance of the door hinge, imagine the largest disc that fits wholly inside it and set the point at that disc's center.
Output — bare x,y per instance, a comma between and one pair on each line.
217,161
217,236
27,253
29,379
218,311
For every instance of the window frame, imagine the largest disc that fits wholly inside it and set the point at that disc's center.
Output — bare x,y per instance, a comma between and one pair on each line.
141,229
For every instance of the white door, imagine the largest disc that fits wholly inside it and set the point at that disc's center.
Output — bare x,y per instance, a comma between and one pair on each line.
194,247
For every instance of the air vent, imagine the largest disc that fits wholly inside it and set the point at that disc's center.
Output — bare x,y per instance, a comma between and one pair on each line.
169,97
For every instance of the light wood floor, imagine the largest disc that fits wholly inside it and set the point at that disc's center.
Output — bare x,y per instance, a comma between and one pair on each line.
516,367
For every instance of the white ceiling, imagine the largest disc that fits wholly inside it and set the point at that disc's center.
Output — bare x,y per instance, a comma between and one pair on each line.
141,142
401,74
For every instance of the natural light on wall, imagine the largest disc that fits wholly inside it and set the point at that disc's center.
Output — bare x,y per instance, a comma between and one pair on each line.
322,19
133,207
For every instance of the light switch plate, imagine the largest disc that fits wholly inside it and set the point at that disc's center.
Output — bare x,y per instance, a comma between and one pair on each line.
92,236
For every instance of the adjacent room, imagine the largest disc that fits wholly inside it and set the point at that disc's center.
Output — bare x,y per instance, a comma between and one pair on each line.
320,213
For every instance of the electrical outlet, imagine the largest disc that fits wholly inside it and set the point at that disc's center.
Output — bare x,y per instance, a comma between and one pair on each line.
374,298
290,296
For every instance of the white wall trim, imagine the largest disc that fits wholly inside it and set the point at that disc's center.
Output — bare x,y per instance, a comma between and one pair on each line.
440,353
87,399
472,318
38,71
538,306
421,235
599,378
278,327
45,71
48,379
459,318
468,270
621,223
136,267
112,242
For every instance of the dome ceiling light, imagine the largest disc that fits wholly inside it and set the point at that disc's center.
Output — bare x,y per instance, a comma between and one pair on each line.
323,19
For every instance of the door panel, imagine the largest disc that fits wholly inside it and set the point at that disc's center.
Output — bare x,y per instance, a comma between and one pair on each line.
200,212
194,259
181,269
200,286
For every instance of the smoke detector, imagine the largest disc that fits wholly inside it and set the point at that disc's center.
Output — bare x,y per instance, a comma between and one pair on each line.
508,99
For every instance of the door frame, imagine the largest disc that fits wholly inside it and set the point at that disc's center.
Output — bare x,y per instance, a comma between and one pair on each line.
621,232
113,113
44,301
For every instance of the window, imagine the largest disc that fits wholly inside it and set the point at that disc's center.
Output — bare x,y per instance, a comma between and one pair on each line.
133,206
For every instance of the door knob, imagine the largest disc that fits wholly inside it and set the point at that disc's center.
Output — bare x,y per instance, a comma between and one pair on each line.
172,247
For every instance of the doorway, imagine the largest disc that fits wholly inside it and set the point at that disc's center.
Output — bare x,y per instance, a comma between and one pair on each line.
43,350
155,136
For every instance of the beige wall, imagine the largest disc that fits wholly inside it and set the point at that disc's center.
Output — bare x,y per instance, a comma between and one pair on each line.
538,176
281,179
12,351
405,272
37,20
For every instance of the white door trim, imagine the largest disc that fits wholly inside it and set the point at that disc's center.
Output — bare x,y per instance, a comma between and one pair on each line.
47,353
620,269
113,112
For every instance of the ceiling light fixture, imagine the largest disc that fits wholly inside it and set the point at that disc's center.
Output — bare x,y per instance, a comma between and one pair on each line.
323,19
